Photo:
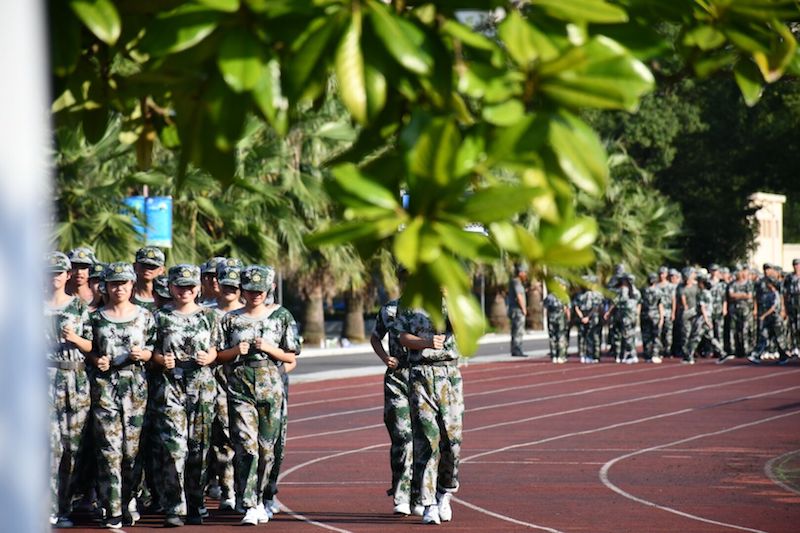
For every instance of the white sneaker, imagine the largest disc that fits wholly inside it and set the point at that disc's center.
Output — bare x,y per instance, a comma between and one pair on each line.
53,519
656,359
402,508
445,511
631,360
562,360
251,517
263,515
431,515
273,505
228,503
418,510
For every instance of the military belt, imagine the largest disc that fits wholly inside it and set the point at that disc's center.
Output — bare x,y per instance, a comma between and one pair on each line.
425,362
126,364
256,363
67,365
187,365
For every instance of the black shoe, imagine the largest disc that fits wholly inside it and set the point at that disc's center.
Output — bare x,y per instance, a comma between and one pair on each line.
173,521
519,355
115,522
194,520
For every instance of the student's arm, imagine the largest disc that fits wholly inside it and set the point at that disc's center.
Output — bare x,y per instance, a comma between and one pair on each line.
377,346
412,342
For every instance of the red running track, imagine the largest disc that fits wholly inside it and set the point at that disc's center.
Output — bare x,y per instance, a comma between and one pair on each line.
566,448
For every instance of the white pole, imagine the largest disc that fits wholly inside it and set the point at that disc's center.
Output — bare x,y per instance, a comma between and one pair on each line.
25,198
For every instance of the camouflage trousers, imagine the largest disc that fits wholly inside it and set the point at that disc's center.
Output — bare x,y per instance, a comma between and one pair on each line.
741,331
69,401
651,336
517,331
147,470
255,404
794,327
185,401
665,334
686,321
397,418
718,327
557,333
773,332
221,457
119,400
437,417
624,339
280,444
589,339
701,332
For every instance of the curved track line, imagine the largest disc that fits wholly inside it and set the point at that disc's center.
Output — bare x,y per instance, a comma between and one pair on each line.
606,467
504,517
770,472
305,519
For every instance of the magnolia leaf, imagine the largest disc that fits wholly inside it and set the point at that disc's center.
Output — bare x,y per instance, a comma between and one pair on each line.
179,29
749,80
100,16
239,61
350,70
403,40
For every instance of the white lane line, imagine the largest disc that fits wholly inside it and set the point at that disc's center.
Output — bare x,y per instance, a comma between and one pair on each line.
303,518
583,409
606,467
504,517
769,470
525,387
379,386
534,400
597,430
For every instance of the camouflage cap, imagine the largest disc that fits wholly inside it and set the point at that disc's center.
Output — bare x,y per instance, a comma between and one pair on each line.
725,270
81,256
663,270
161,286
796,261
519,268
257,278
232,262
674,272
229,275
184,275
767,266
713,267
150,255
652,277
687,271
210,266
97,270
119,272
57,262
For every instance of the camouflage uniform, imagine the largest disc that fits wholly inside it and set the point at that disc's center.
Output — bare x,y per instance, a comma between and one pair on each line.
185,397
667,297
763,298
437,409
69,399
119,398
590,304
772,325
718,293
397,406
701,331
280,443
255,398
557,330
651,317
516,315
625,311
687,315
741,313
791,291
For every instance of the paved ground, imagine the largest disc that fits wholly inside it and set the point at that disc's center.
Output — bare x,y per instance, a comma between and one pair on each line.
568,448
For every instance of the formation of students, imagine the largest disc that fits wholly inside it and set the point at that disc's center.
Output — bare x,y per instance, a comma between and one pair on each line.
423,410
165,387
697,312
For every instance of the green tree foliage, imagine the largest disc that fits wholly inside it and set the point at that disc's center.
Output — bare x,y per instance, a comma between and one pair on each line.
446,113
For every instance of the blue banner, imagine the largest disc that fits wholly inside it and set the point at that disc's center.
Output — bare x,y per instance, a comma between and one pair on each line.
158,210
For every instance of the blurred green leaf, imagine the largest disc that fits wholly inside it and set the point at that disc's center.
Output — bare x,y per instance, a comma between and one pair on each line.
431,146
497,203
351,180
596,11
600,74
406,244
579,152
516,34
403,40
268,97
100,16
240,61
704,37
179,29
748,78
350,70
228,6
308,51
505,114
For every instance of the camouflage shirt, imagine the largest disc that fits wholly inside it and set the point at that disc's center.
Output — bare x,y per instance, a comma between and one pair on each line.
690,293
555,307
150,305
116,337
589,302
667,294
278,328
718,291
626,307
186,334
745,287
651,298
418,322
791,288
386,323
705,298
75,314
